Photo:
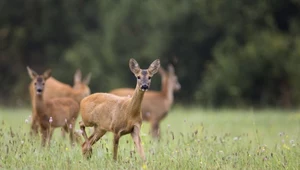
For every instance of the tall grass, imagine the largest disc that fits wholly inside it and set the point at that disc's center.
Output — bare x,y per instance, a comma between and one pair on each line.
191,139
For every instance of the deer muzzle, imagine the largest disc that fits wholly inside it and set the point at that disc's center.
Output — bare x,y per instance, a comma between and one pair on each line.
144,87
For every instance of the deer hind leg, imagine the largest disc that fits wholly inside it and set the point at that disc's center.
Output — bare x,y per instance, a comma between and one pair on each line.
87,145
116,145
155,129
135,134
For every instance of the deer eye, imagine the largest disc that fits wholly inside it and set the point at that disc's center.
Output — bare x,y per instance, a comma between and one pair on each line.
149,77
138,77
43,83
34,83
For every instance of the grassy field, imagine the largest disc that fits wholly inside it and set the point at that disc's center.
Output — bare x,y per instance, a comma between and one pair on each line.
191,139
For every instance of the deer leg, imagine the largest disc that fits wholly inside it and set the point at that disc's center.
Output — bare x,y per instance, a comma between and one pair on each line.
116,145
34,121
71,131
82,128
155,129
87,145
63,132
50,133
34,125
44,132
135,134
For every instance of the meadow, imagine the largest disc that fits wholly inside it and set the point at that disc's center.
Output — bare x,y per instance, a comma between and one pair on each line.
192,138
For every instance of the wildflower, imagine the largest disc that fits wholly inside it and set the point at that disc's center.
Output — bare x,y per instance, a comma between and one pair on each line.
169,125
235,138
50,120
144,166
26,120
286,147
79,131
22,142
67,149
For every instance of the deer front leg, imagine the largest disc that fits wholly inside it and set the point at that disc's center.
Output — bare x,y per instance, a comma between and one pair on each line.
63,132
116,145
44,132
82,128
49,135
34,125
135,134
71,131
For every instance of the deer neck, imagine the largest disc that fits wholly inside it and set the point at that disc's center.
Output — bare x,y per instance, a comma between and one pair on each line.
75,94
164,86
136,102
167,90
39,104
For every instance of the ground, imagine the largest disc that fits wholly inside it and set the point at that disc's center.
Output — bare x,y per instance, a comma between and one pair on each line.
192,138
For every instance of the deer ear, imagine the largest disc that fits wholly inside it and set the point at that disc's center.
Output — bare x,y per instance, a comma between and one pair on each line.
77,76
134,66
47,74
32,74
153,68
171,69
87,79
161,71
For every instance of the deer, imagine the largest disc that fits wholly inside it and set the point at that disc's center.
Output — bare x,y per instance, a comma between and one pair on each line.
55,88
156,104
55,112
107,112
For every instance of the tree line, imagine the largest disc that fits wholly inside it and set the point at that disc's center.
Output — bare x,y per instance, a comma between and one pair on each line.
225,53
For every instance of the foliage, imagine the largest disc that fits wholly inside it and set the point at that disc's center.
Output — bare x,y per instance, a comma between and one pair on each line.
226,53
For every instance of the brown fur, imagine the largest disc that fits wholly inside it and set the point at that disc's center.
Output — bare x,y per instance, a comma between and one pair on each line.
156,104
55,88
62,111
119,115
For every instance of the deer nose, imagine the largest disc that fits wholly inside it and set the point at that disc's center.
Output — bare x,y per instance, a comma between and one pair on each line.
144,87
39,90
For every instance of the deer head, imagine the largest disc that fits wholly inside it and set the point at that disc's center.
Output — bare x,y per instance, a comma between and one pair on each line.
39,80
144,75
80,84
173,78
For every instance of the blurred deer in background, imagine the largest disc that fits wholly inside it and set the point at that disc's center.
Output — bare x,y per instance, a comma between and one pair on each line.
119,115
156,104
55,88
52,113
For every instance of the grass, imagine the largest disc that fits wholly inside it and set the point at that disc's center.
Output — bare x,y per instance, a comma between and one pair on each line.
191,139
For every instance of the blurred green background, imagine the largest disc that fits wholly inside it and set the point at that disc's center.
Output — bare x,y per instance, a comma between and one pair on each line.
226,53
